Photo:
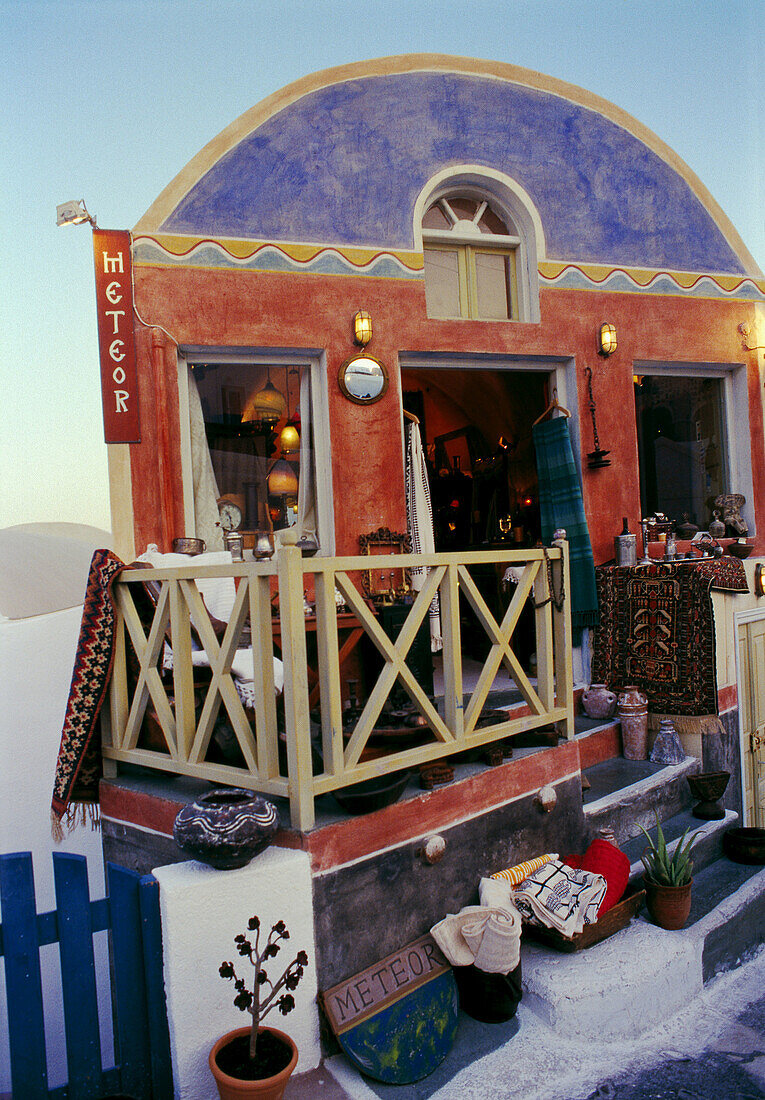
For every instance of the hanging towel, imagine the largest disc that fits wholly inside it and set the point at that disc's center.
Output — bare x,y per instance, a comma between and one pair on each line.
560,505
419,520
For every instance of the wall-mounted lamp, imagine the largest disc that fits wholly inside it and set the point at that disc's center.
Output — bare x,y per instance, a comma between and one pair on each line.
607,339
74,213
746,330
362,328
759,579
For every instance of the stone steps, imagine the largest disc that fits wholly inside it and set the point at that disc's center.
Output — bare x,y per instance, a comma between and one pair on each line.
624,794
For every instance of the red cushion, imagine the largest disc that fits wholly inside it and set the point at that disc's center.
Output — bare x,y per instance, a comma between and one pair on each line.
602,858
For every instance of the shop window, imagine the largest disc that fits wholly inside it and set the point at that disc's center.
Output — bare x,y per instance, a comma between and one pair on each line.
470,254
251,444
682,444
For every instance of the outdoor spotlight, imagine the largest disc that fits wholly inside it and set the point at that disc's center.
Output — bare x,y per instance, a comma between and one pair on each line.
606,339
74,213
362,328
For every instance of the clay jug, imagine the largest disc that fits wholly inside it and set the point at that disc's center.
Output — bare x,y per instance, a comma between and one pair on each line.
598,701
632,710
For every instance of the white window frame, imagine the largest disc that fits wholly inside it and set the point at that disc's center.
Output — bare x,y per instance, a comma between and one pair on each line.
512,203
310,359
735,419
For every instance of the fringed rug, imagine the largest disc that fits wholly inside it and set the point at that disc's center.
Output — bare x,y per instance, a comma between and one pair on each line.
78,768
657,631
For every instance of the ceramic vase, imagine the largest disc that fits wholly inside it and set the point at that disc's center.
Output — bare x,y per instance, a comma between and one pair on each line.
598,701
226,827
632,709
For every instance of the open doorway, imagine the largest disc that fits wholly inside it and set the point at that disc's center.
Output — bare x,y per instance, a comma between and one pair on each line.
475,424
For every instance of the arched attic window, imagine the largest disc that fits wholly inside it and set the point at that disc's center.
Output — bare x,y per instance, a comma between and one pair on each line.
482,238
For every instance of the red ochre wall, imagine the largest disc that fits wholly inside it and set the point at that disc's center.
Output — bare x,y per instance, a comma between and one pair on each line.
221,308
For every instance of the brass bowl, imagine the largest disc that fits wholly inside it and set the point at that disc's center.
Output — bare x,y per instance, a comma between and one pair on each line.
740,549
745,845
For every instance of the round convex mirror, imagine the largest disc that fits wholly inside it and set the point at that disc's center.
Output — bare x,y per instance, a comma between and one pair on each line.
363,379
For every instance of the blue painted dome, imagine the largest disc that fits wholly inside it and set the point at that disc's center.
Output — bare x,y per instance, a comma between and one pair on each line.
344,162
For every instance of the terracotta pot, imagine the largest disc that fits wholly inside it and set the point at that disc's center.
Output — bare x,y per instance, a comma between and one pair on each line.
268,1088
598,701
669,906
632,709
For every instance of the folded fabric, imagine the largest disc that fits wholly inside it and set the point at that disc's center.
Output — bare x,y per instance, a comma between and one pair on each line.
488,938
604,858
218,593
560,897
517,874
495,940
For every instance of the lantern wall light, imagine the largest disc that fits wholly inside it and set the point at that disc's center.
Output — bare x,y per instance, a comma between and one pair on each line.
362,328
607,339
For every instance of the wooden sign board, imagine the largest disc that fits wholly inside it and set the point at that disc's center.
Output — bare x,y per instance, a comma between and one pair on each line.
397,1020
116,339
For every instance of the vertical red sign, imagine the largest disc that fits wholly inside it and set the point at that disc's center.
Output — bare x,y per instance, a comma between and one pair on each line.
116,340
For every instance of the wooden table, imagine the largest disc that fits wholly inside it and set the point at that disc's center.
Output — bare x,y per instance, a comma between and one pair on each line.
349,633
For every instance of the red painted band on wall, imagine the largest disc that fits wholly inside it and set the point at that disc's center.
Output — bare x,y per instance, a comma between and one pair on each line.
116,339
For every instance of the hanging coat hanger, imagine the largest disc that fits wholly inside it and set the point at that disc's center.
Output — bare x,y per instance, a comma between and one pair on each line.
411,416
554,404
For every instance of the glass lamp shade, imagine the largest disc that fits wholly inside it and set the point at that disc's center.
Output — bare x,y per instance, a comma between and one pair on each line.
282,480
607,339
289,439
362,328
268,405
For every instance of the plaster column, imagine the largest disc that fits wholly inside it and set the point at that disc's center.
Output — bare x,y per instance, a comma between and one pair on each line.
202,910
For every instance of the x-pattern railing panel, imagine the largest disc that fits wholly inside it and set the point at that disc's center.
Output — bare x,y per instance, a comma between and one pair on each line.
188,729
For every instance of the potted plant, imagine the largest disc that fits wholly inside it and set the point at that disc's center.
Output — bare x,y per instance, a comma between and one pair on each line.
257,1061
668,879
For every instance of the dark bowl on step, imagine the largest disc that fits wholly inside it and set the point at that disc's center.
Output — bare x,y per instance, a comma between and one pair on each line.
372,794
740,549
745,845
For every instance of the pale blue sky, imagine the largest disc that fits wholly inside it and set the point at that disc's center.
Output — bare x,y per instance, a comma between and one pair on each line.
107,100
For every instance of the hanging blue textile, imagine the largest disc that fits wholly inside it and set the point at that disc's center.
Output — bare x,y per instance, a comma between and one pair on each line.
561,505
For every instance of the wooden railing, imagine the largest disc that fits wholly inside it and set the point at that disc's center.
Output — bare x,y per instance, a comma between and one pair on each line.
183,714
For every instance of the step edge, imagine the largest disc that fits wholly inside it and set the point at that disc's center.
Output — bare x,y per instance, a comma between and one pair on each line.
707,831
634,791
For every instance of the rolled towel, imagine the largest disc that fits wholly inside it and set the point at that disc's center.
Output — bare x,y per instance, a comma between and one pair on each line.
448,935
517,874
495,940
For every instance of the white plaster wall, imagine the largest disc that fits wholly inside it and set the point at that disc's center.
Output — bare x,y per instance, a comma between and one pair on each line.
202,910
36,659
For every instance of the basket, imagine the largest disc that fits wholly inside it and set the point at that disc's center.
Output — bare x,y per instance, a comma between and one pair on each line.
616,918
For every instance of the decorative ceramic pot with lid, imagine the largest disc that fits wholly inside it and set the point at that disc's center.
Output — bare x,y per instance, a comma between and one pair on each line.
598,701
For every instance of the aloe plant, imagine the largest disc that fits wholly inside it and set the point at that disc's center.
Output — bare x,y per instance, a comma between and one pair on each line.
663,869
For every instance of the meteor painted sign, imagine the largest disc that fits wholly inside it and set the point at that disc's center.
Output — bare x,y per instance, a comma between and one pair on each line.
116,340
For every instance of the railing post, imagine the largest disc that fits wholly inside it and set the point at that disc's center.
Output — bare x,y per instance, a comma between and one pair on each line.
564,669
297,718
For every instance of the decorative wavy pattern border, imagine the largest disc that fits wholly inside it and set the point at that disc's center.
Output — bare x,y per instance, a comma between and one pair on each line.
205,252
264,256
643,281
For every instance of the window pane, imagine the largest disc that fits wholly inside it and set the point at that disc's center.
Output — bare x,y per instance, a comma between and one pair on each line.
442,282
435,219
490,223
463,208
491,284
254,465
681,442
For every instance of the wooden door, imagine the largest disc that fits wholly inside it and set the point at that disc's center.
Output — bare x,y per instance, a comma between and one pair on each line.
752,702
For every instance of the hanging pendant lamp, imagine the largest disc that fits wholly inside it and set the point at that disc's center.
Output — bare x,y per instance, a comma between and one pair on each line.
289,437
268,405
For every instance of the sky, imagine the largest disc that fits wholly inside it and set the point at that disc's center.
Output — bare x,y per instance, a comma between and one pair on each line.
107,100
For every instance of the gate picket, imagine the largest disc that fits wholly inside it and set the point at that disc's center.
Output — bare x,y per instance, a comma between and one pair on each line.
132,1032
23,983
78,975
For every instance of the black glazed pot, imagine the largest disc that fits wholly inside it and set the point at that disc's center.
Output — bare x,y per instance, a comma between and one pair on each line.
226,827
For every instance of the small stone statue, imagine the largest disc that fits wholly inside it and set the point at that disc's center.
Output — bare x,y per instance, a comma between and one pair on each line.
730,504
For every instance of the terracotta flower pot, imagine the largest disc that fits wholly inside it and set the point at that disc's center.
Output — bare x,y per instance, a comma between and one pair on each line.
669,906
266,1088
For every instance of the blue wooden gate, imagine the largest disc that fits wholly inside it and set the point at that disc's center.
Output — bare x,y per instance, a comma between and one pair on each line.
131,912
